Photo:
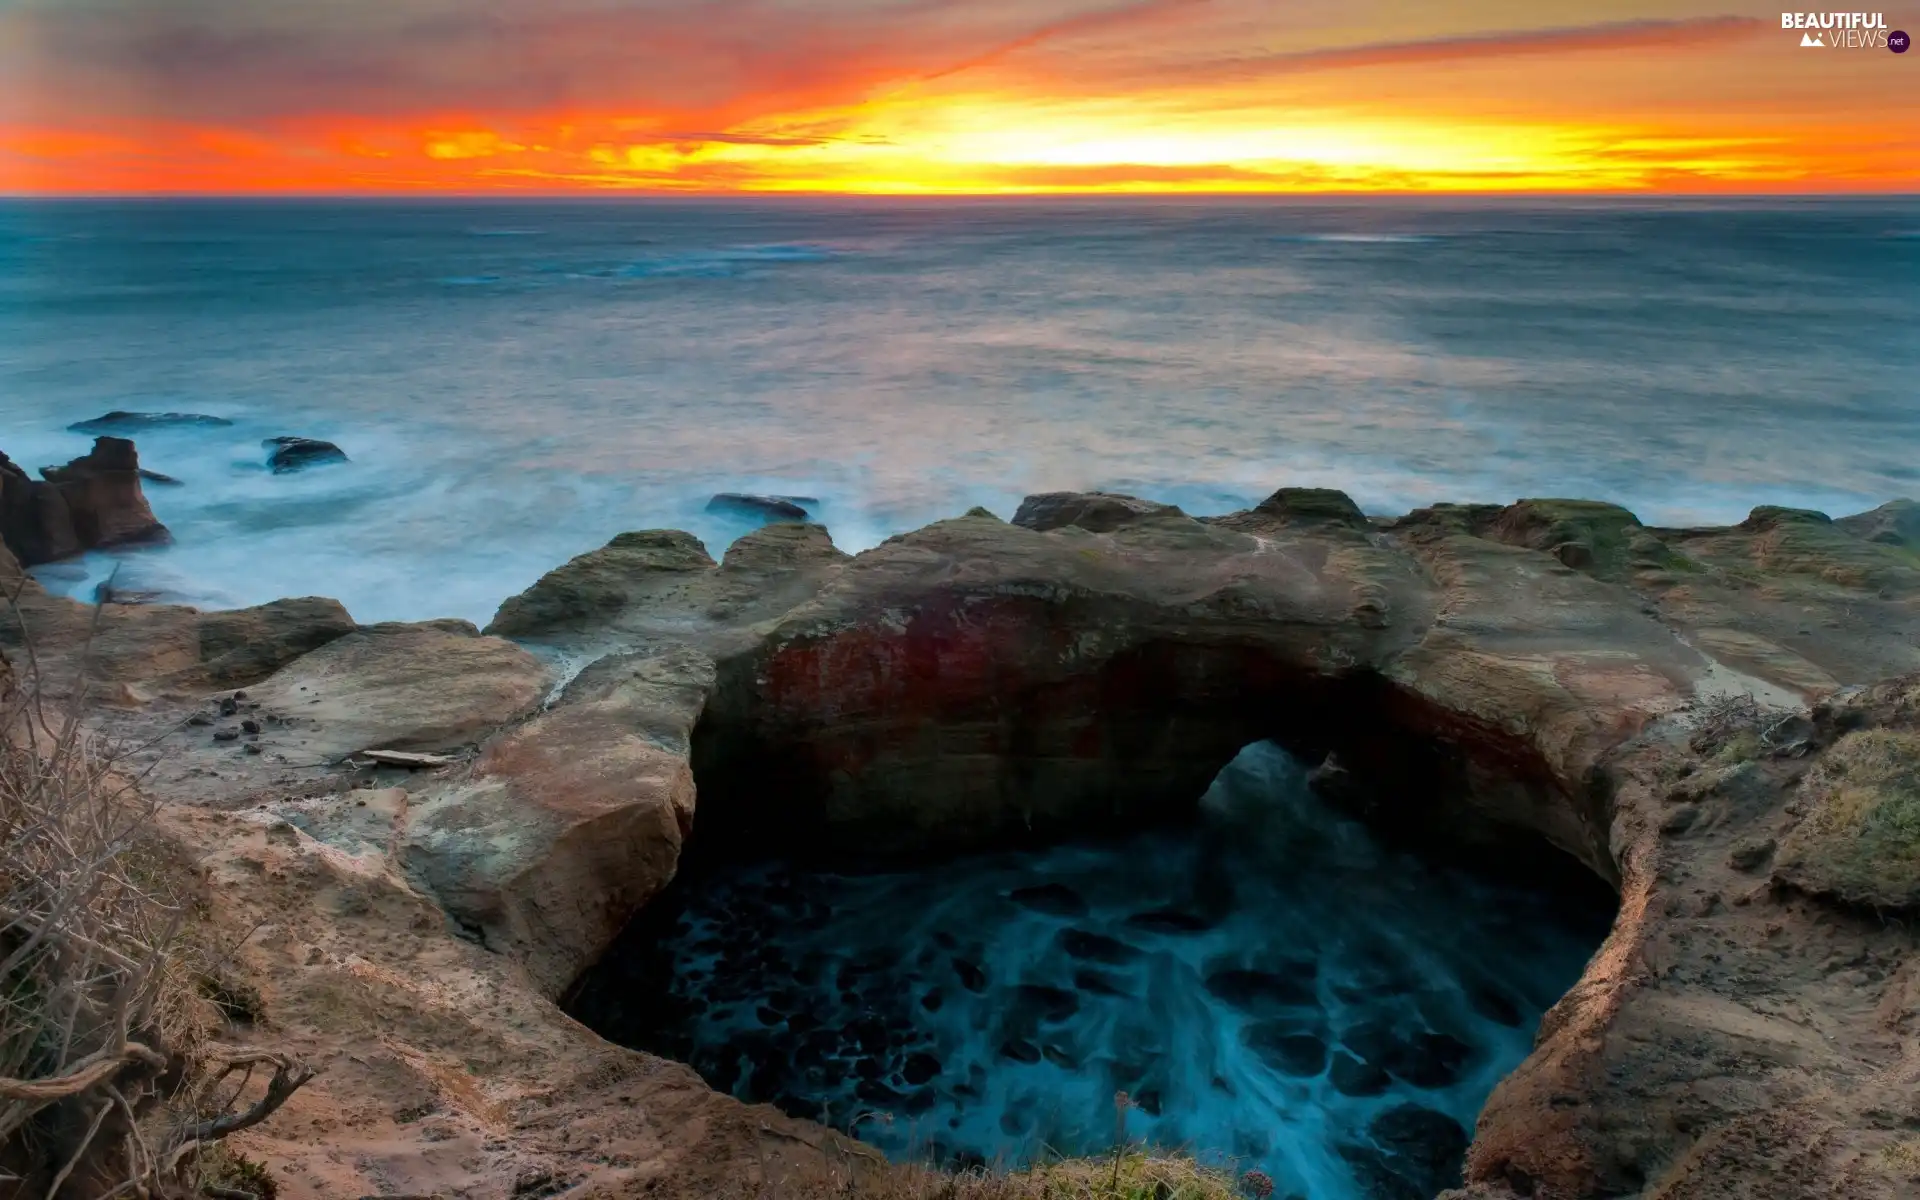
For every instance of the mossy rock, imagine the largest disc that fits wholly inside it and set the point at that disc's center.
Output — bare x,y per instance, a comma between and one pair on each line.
1799,546
1588,535
1299,505
1860,839
1859,554
1773,516
1445,520
599,582
1895,523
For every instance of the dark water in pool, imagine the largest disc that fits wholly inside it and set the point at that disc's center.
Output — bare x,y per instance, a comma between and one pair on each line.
1270,987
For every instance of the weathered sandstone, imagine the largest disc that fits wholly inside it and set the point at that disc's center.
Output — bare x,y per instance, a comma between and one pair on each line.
1550,670
92,503
430,686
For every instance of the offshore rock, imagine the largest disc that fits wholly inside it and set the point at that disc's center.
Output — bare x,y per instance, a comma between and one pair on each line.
129,423
764,508
92,503
288,454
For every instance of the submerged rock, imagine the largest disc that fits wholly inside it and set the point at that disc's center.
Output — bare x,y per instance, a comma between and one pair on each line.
766,508
1100,983
1054,899
1097,947
920,1068
1420,1146
1423,1059
1255,990
1291,1051
1170,920
1043,1003
288,454
1352,1076
130,423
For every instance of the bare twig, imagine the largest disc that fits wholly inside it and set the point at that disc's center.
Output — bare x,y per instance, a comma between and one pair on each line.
73,1160
96,1002
289,1075
288,1078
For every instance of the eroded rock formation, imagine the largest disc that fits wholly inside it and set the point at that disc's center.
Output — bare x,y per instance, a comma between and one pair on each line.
1551,668
92,503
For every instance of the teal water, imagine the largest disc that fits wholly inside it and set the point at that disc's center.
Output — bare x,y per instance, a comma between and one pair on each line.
515,383
1270,988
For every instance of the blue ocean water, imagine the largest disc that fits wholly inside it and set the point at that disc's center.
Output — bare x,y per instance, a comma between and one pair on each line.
516,382
1270,988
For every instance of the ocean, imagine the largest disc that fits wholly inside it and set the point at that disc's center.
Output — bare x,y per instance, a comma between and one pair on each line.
516,382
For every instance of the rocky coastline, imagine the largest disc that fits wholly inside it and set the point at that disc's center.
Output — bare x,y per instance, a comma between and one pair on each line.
1721,723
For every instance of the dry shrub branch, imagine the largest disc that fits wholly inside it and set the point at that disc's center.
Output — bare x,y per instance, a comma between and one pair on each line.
108,1076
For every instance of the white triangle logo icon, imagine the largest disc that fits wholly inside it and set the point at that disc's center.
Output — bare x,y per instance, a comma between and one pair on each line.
1812,39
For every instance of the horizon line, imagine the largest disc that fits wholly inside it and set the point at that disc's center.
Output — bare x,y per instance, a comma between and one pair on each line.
652,194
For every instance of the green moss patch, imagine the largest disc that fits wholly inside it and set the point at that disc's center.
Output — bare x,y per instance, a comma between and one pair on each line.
1127,1176
1586,534
1776,543
1859,840
1307,506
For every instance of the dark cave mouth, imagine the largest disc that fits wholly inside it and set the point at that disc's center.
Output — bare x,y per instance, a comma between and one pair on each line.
1268,984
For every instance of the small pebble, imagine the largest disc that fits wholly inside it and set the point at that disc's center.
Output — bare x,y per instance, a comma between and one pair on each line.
226,735
250,726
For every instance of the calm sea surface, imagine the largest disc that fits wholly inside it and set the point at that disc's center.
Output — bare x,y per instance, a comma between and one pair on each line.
515,383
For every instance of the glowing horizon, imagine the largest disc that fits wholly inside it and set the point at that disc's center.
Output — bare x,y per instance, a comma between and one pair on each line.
940,97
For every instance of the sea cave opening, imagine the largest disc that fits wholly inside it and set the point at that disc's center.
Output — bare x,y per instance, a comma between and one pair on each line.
1290,972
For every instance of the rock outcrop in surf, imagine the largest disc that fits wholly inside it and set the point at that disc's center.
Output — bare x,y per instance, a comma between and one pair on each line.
92,503
286,455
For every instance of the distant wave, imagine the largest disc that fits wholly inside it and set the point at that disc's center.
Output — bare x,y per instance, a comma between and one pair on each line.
470,280
1903,235
1392,239
483,231
723,262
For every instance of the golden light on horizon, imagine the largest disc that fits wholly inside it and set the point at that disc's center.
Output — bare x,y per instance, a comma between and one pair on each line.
1143,98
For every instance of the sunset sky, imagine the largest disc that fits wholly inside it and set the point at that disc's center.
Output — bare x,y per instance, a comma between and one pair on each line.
368,96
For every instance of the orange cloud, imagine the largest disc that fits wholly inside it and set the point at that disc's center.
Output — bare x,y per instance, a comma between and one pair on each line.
927,96
1623,35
